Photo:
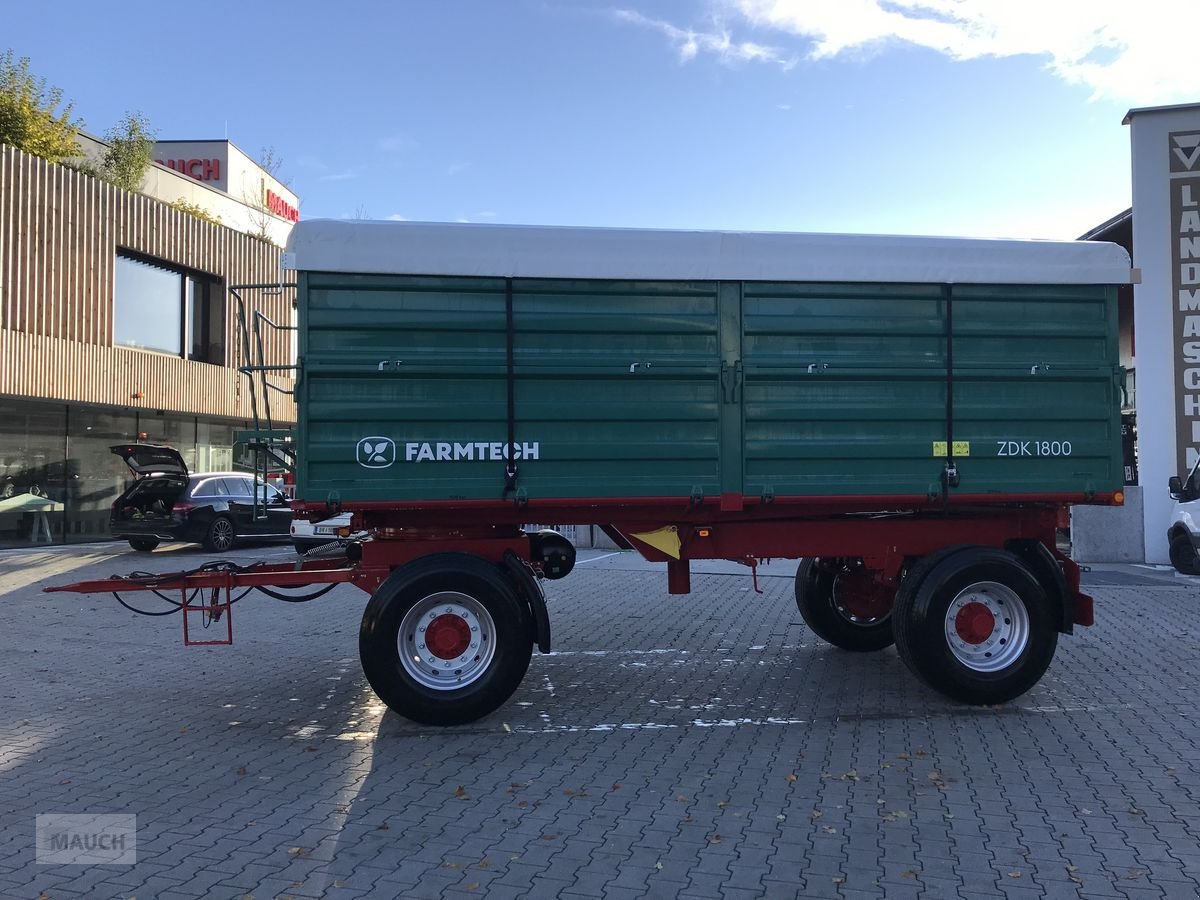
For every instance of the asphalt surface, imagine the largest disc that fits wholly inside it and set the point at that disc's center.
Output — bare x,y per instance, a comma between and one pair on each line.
698,746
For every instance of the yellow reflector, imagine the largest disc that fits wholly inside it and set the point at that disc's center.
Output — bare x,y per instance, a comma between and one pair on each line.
664,539
1119,498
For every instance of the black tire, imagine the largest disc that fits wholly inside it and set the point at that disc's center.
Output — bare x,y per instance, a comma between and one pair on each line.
221,535
145,545
823,587
409,686
982,664
1183,554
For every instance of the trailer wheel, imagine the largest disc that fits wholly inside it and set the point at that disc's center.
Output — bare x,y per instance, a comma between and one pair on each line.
975,624
843,604
143,544
445,640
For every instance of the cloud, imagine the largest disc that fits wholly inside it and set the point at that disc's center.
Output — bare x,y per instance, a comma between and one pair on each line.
689,43
1139,52
396,217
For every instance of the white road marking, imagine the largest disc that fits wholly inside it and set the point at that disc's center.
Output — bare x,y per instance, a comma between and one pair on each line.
665,650
580,562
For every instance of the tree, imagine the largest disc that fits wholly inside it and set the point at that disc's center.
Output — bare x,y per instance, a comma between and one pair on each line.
28,120
271,163
130,151
261,218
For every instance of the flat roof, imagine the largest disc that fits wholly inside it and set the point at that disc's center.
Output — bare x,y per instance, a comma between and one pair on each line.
536,251
1154,109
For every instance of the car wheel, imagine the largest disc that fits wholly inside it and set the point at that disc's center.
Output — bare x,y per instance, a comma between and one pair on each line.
8,490
1183,555
221,535
145,545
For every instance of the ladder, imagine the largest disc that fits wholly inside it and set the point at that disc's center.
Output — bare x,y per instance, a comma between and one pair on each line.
272,448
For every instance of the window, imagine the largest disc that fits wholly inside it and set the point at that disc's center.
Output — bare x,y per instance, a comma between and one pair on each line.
214,487
168,310
270,495
239,487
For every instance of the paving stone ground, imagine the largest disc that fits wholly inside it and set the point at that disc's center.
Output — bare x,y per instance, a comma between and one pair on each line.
700,746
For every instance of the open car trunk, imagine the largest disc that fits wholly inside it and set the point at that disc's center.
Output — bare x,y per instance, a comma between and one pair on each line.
162,480
151,499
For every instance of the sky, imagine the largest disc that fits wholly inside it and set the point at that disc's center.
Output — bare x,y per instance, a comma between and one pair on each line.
993,118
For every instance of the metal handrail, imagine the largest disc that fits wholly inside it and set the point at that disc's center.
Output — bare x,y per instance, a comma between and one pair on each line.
268,450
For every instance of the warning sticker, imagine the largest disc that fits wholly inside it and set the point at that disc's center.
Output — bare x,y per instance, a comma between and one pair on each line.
961,448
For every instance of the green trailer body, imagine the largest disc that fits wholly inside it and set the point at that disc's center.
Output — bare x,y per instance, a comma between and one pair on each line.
653,388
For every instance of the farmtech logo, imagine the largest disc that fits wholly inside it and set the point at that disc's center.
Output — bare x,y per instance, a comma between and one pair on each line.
379,452
376,452
453,451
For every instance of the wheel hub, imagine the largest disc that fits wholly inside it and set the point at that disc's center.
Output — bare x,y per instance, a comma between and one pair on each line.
987,626
448,636
860,599
446,640
974,623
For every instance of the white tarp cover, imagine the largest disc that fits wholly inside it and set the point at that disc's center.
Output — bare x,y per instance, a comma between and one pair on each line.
535,251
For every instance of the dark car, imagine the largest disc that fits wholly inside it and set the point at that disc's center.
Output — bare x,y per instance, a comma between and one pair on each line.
19,480
167,503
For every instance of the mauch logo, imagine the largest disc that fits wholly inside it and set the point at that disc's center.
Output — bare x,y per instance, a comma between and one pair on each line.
86,840
1185,151
376,452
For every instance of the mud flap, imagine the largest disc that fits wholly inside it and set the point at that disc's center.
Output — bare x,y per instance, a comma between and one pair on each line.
531,591
1059,577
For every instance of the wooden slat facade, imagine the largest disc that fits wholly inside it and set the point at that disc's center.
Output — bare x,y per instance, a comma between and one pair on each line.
60,232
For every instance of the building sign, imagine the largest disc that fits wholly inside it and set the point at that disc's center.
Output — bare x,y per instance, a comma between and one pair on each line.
281,207
200,169
1184,182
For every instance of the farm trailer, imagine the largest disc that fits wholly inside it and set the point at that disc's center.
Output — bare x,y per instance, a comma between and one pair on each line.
910,417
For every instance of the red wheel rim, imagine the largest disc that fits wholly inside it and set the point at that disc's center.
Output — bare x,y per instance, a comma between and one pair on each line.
974,623
448,636
862,599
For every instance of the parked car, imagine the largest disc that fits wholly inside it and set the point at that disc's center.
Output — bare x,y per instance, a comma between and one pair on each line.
168,503
18,479
1183,534
308,536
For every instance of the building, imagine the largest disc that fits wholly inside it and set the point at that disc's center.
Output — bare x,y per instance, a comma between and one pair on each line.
1161,315
117,324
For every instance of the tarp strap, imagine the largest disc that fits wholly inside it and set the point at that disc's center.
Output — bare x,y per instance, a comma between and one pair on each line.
510,464
950,473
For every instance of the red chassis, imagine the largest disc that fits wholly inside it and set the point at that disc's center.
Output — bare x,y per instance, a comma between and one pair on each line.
884,532
973,593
